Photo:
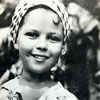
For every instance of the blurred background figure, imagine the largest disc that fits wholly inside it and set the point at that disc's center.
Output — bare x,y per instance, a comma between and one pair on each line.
7,54
82,62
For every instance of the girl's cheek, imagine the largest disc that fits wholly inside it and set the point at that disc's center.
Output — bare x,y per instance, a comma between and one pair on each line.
55,48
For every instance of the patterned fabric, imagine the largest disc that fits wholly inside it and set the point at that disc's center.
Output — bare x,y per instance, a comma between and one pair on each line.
12,87
24,6
56,92
16,96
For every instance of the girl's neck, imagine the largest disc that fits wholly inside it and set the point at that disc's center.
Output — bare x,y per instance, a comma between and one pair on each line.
35,80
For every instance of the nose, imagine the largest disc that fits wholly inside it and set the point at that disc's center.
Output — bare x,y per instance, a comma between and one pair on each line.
42,45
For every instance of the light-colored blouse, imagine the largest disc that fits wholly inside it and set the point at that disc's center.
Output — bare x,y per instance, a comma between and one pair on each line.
56,92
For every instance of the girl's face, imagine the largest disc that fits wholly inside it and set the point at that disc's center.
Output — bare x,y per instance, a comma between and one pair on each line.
40,41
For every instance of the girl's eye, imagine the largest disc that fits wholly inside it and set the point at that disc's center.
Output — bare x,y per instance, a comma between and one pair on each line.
54,38
32,35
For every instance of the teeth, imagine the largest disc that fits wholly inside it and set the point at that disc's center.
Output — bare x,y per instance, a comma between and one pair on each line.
40,58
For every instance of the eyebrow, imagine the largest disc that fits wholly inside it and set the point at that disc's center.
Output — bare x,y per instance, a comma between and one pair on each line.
35,31
31,30
55,34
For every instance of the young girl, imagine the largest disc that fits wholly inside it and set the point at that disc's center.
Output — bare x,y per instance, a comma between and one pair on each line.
39,29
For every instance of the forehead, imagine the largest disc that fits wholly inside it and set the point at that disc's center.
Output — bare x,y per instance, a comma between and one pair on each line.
43,13
43,16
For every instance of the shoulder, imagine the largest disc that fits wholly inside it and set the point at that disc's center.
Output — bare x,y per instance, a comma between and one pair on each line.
58,92
63,93
68,95
11,85
8,86
3,94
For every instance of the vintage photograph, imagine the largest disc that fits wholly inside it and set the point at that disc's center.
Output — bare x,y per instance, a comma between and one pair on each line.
49,50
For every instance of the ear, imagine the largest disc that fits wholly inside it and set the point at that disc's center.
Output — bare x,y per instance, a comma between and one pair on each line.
64,49
16,46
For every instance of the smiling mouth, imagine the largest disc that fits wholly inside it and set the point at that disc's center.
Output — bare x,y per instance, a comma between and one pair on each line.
40,58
